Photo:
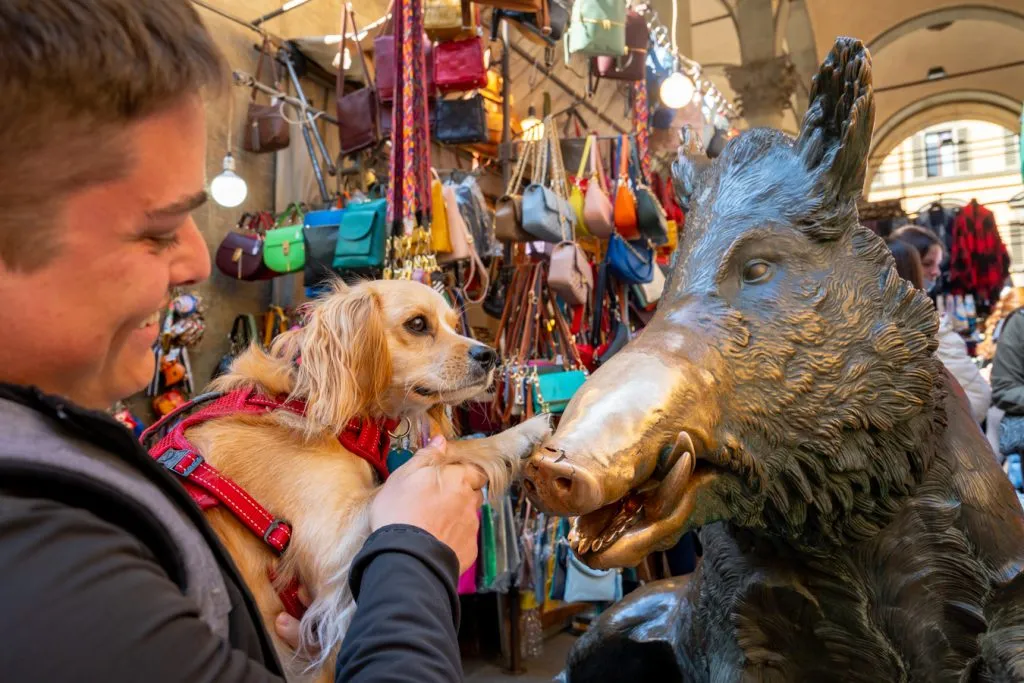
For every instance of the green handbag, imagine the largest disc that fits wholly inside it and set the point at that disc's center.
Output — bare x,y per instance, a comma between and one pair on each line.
284,247
597,29
552,391
362,236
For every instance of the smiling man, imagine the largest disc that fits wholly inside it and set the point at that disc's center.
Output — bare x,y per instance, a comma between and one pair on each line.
108,570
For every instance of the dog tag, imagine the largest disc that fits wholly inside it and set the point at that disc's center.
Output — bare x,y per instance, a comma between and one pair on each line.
399,455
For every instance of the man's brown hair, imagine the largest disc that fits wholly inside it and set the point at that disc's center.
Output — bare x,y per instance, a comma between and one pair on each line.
73,75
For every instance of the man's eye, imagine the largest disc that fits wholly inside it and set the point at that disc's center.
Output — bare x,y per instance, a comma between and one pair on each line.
417,325
757,271
166,241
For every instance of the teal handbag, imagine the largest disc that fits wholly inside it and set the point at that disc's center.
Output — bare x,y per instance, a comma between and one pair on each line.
284,249
583,584
552,391
362,236
597,29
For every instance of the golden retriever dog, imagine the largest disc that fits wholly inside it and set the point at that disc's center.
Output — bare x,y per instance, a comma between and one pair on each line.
379,348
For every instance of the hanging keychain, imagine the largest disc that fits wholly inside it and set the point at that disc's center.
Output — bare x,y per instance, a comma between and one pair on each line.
401,448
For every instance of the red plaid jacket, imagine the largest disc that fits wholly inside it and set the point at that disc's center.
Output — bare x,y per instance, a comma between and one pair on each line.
979,263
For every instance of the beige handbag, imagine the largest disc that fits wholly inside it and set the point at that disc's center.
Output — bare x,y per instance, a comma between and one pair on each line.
447,19
458,231
508,210
569,275
598,211
651,292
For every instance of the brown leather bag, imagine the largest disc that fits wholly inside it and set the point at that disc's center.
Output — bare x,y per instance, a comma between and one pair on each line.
508,210
357,110
266,129
240,254
570,275
631,67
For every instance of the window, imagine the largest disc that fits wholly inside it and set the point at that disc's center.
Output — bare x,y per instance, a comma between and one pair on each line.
963,157
940,154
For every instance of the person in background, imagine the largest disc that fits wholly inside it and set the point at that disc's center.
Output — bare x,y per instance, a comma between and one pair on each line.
108,570
952,349
929,248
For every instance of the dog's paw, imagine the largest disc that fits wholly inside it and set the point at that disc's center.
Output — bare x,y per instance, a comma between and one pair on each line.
534,431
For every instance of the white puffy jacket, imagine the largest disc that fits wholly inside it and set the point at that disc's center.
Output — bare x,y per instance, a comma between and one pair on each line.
952,352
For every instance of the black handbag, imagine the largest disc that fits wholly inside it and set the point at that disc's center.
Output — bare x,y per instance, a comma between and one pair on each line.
320,231
244,334
461,122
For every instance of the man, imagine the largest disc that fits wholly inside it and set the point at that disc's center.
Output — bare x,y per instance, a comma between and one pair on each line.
109,572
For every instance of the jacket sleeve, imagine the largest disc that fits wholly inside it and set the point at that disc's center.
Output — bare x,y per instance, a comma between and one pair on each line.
406,621
84,600
1008,368
952,352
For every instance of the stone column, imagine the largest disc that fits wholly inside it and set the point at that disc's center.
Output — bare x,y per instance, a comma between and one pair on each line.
763,90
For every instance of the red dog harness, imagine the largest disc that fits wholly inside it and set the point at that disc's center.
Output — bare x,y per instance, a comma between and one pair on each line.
369,439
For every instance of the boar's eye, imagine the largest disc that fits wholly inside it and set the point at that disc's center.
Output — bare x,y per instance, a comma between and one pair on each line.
757,271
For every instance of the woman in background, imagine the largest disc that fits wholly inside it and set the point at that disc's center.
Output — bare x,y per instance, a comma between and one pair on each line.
952,349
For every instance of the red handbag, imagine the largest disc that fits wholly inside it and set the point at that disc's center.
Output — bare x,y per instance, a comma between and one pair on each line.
459,65
384,61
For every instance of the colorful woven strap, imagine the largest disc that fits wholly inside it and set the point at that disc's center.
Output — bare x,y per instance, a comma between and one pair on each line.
641,112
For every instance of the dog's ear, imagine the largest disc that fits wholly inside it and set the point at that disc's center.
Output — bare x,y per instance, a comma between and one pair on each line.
345,365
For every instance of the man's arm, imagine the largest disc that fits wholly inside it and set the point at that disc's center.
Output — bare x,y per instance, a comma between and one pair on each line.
405,627
81,599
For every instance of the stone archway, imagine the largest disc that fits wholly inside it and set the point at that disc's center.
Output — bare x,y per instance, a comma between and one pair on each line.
954,105
999,15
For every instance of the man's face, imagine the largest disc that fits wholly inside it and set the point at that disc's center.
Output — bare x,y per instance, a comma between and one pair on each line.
84,325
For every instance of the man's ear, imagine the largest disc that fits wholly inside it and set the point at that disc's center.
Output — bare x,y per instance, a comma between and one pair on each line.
836,133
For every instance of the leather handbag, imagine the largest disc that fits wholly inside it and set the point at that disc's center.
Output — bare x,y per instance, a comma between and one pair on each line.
650,293
535,26
244,334
357,110
384,64
440,234
553,390
650,216
547,214
630,263
362,236
508,210
570,275
458,231
285,248
461,121
320,230
598,212
632,66
597,28
459,65
266,129
583,584
625,201
447,19
240,254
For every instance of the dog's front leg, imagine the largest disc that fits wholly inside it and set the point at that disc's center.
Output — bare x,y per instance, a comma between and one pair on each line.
499,455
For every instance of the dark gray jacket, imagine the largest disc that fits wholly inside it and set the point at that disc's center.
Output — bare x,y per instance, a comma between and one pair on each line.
109,572
1008,366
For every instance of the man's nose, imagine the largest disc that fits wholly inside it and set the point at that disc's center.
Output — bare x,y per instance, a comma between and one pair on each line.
192,264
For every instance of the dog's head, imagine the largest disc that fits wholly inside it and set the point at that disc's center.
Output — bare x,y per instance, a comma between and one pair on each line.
383,347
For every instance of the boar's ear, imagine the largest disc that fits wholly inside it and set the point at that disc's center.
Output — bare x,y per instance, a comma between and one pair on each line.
836,133
685,169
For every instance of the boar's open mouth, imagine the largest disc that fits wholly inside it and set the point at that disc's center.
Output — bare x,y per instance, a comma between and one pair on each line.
652,516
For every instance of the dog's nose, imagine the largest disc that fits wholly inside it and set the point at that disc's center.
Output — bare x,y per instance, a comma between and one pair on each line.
484,356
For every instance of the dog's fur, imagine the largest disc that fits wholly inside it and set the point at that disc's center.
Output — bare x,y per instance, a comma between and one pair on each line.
359,355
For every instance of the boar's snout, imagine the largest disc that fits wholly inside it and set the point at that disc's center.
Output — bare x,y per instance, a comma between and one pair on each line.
567,488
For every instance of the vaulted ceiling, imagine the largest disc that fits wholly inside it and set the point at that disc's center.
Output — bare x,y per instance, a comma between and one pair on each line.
978,43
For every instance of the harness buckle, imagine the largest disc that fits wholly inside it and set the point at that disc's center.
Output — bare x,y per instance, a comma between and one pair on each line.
174,456
274,526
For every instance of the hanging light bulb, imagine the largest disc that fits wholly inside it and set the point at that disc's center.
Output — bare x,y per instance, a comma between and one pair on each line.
677,91
229,189
533,128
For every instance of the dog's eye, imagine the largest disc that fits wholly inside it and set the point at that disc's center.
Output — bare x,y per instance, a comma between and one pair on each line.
417,325
757,271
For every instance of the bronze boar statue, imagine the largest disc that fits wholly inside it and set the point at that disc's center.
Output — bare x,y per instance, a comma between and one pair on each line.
786,401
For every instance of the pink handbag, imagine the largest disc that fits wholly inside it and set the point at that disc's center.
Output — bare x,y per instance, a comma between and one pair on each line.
570,275
598,211
457,229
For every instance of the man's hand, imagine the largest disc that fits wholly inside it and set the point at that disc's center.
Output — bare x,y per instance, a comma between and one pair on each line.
442,500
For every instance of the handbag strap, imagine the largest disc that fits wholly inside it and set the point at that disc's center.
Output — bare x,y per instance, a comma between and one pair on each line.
349,17
264,54
559,183
596,165
623,159
515,182
586,155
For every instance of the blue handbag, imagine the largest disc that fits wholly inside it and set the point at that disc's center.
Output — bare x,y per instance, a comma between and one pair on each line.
631,263
320,231
583,584
362,236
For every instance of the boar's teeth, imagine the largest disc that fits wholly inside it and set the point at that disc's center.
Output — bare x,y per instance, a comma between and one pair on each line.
598,544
